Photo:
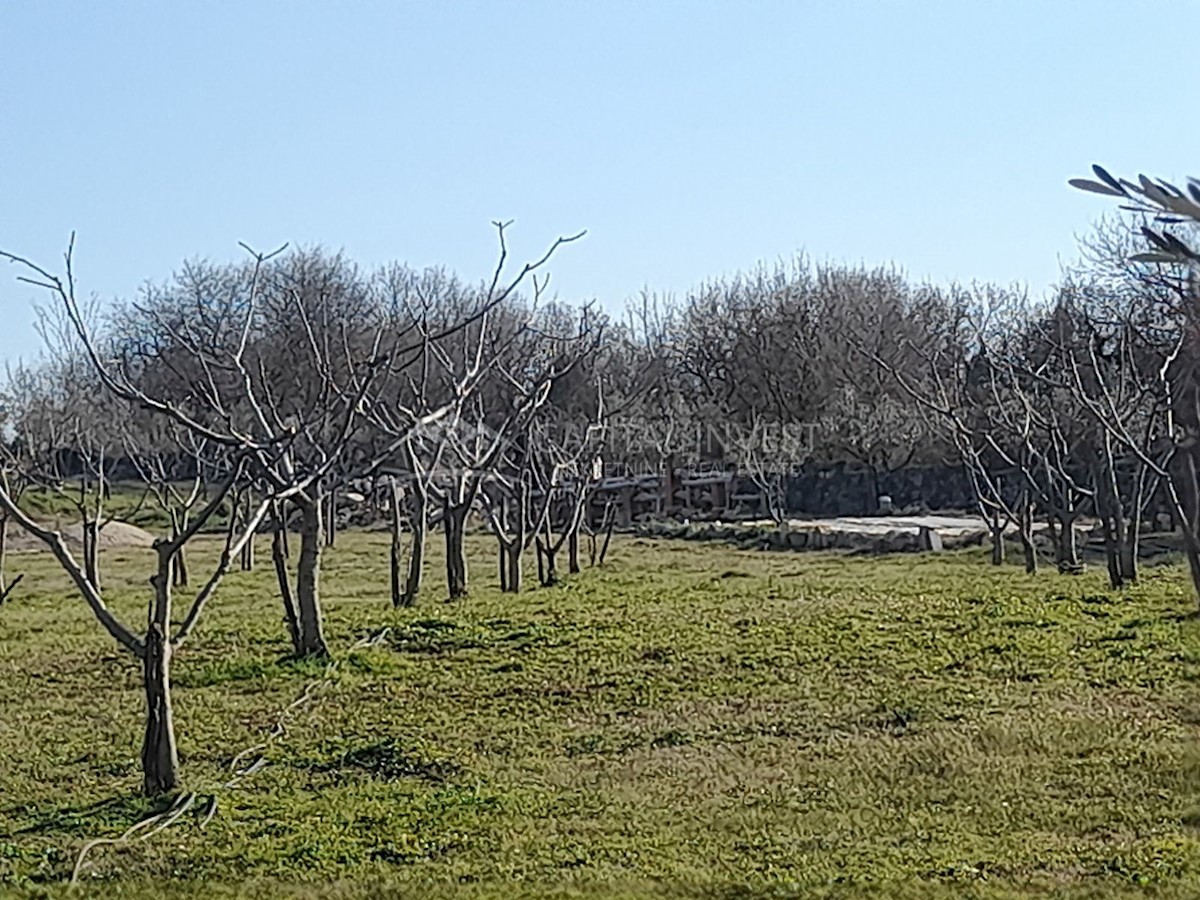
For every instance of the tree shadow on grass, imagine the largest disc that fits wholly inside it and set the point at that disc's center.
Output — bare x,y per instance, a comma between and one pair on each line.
116,812
386,760
247,674
1150,621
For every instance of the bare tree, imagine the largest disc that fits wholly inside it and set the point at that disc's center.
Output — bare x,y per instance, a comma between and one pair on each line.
278,360
1166,324
1100,355
198,353
958,382
514,517
1051,440
569,468
154,647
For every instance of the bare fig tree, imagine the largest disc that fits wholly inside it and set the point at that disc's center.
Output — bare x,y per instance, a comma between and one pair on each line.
950,375
514,516
436,409
154,647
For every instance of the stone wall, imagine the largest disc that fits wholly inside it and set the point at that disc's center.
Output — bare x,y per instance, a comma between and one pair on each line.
751,536
839,491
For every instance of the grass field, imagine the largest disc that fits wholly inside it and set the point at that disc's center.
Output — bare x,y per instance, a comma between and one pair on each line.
691,720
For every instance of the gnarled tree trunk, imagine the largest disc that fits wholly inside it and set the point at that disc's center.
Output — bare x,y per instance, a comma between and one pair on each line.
160,759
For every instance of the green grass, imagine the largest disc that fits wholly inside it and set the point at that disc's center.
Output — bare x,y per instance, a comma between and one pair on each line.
691,720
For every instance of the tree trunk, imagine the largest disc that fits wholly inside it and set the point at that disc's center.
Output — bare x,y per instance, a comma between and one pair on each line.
1029,552
308,581
1025,521
247,556
1107,507
1121,532
331,517
996,530
1143,493
416,564
1112,515
1112,560
279,553
91,551
416,556
160,759
1068,545
500,527
179,567
3,558
514,568
454,527
573,551
1129,551
1052,530
997,547
396,556
502,565
610,522
547,559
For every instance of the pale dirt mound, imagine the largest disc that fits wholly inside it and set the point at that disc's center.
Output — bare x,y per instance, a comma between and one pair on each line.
113,536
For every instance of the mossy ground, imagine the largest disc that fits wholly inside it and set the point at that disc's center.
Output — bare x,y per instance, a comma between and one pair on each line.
690,720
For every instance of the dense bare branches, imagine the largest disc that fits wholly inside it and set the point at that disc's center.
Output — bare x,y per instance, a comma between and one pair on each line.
1140,378
269,382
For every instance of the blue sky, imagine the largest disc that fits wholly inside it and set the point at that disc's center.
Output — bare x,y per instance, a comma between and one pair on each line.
691,139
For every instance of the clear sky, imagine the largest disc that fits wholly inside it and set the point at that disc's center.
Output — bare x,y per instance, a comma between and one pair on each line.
691,139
